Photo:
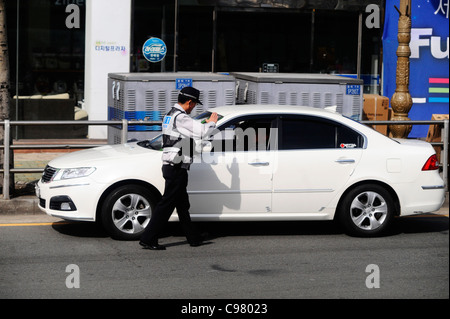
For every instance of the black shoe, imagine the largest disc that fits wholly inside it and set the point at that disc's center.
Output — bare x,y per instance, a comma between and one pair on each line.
197,243
152,247
201,241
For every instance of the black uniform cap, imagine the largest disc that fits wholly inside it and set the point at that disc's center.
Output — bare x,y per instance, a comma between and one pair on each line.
191,93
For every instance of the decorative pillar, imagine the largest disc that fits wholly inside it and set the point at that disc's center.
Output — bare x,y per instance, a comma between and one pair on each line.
401,101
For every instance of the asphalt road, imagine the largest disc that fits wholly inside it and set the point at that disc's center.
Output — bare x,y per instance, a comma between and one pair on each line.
282,260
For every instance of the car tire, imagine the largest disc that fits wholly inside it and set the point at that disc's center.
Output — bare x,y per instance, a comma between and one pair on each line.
126,211
367,211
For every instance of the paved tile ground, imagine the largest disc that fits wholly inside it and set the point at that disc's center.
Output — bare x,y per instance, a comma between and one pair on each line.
32,160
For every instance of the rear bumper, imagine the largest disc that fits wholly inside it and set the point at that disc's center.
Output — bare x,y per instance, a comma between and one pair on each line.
427,199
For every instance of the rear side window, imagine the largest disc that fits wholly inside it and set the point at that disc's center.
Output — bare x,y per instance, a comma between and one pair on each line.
316,133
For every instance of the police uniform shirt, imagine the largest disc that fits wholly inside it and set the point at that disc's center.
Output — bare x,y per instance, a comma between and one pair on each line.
181,125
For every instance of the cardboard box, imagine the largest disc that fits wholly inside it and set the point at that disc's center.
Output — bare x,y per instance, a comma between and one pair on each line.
376,108
435,133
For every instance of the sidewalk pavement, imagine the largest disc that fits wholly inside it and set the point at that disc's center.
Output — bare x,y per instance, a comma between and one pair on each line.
24,200
26,203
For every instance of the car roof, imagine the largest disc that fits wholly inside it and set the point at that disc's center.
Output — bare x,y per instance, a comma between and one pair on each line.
245,109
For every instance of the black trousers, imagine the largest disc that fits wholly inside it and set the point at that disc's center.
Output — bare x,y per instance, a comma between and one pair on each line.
175,196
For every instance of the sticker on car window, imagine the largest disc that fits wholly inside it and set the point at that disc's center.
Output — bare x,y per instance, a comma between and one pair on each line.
351,145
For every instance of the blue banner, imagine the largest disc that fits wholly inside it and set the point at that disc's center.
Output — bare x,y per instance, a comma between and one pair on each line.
429,68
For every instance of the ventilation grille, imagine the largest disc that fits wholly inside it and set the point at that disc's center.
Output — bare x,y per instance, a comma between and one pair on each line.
173,98
340,102
305,99
282,98
316,99
212,99
229,97
293,98
131,100
328,99
264,97
162,101
356,108
149,100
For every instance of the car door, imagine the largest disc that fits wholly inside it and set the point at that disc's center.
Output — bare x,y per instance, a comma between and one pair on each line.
235,176
316,158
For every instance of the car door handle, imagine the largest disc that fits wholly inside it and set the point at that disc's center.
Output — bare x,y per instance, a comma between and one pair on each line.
259,164
345,161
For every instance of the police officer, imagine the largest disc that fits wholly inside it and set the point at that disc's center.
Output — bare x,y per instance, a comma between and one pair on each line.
179,132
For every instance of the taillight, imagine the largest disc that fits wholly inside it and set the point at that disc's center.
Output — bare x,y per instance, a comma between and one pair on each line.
431,164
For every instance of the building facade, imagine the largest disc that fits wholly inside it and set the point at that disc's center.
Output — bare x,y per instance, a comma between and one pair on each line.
66,48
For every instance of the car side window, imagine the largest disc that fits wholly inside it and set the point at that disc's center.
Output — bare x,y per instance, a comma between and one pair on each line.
244,134
316,133
348,138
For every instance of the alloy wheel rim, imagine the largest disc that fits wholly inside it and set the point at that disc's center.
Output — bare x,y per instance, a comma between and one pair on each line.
368,210
131,213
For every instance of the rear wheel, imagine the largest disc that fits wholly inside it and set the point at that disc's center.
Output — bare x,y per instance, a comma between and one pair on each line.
126,211
367,210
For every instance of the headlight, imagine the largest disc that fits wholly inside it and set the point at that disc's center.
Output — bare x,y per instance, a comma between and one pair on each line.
69,173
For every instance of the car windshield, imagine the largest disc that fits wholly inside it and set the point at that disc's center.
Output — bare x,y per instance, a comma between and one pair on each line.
156,143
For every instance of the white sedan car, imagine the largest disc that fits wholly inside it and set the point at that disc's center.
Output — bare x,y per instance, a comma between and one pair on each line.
264,163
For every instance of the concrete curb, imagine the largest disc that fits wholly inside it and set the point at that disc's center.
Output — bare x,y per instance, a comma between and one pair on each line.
24,205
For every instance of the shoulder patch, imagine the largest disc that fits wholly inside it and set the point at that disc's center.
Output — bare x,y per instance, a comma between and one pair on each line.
166,121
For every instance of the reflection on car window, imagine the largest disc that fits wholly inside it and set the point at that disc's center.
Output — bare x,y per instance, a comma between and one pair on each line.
156,143
316,133
244,134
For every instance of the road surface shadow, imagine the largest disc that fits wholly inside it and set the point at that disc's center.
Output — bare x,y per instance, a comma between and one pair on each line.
80,229
427,223
402,225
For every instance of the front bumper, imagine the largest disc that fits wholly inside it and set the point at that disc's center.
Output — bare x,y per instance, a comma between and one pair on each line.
71,201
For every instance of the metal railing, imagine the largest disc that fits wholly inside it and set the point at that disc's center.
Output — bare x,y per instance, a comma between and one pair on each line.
7,147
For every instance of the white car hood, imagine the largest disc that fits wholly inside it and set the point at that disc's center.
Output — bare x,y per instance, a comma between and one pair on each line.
101,155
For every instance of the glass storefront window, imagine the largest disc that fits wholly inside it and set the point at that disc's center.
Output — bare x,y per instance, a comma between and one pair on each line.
335,42
243,39
195,38
47,60
247,40
152,19
48,56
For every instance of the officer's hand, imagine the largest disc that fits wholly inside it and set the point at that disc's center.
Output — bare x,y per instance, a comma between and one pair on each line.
213,118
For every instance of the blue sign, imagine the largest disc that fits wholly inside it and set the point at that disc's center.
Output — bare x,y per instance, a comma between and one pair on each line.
182,83
154,50
353,89
429,68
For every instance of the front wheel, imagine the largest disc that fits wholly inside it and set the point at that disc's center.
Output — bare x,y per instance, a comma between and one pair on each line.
367,211
126,211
